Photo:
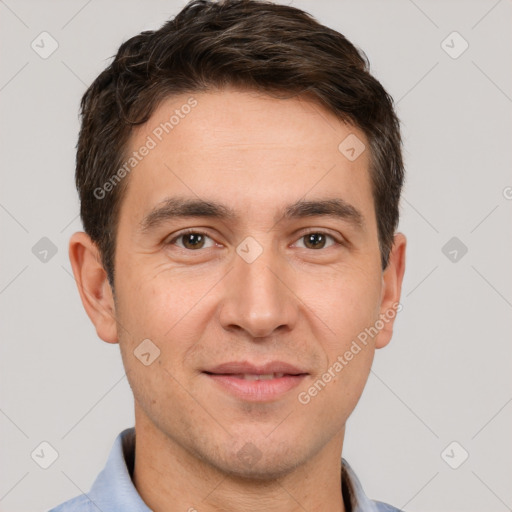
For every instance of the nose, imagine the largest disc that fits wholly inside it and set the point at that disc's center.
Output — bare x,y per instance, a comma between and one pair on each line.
258,296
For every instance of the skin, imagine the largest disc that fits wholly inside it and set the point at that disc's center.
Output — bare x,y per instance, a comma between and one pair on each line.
205,306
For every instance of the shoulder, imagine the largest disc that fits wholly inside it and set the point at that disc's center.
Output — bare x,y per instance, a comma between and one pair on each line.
79,504
384,507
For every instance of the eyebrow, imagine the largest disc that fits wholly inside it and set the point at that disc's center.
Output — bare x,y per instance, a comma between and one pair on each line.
178,207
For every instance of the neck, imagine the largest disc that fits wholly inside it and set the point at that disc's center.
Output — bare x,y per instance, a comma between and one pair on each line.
170,478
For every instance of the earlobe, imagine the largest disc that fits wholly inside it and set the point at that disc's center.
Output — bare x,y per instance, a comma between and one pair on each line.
93,286
391,290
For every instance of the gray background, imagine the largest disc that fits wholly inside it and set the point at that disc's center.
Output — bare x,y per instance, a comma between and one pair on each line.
446,375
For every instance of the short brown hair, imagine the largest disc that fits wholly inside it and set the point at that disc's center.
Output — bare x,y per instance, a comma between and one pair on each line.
248,44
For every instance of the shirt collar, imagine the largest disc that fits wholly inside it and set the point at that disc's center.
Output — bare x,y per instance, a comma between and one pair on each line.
113,488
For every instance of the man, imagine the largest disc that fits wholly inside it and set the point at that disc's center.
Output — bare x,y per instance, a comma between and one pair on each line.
239,172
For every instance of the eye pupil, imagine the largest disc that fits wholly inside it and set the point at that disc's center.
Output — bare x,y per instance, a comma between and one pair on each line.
315,237
194,240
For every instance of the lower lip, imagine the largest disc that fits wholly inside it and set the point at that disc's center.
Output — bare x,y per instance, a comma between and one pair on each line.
257,390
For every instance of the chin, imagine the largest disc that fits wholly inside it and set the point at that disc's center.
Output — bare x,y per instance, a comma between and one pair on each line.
262,471
270,462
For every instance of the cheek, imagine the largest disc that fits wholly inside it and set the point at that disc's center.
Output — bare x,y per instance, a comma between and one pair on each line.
154,304
345,307
173,311
345,302
154,314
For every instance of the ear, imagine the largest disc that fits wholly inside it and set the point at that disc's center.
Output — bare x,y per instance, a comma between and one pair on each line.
391,289
93,285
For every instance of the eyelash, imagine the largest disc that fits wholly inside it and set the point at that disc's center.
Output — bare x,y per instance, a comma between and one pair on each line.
196,232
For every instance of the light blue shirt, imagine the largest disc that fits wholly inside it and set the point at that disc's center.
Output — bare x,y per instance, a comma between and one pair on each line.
113,489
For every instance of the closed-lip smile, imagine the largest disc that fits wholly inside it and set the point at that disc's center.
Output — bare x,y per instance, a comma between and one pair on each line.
256,382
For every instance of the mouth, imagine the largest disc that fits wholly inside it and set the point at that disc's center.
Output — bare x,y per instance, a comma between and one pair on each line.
253,383
255,376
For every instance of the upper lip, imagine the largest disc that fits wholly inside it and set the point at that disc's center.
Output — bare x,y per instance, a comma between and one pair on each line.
245,367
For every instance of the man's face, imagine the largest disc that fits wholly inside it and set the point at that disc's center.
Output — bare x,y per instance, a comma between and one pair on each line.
299,290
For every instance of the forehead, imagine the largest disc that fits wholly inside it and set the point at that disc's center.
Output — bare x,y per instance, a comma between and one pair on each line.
253,151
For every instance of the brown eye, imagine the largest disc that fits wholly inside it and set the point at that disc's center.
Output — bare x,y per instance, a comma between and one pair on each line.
191,240
316,240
